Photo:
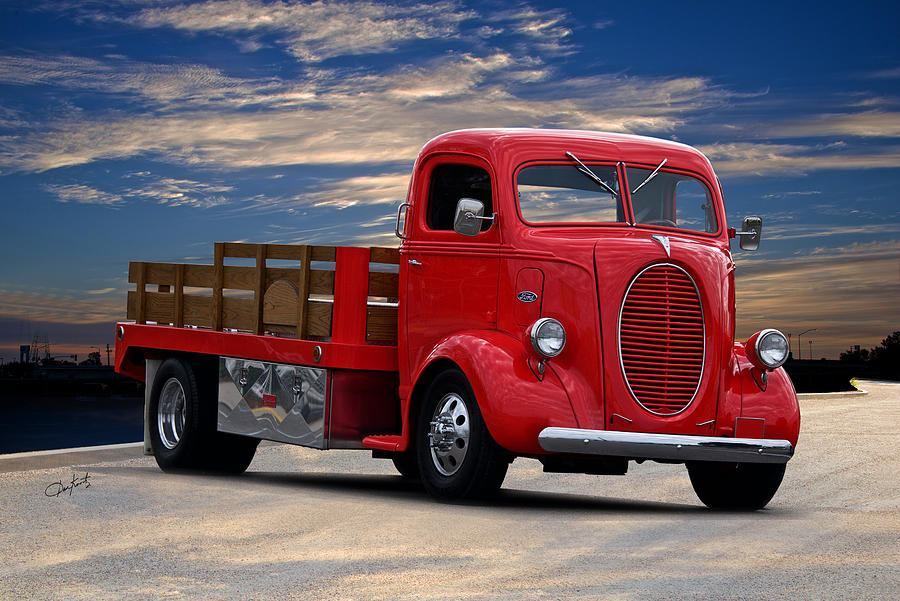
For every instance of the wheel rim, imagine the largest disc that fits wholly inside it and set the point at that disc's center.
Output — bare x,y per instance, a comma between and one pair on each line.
449,434
170,413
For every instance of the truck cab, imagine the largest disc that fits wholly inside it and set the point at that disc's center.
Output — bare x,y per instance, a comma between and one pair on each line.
619,245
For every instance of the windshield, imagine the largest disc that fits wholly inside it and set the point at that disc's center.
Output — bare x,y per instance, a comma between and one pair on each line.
672,200
563,194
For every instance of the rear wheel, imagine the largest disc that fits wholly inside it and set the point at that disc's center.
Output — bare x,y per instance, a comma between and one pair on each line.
746,486
182,422
458,459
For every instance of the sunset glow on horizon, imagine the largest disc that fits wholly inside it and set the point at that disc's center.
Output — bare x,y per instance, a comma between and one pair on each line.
149,130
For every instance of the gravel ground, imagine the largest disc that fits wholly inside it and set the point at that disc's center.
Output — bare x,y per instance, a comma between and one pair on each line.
304,524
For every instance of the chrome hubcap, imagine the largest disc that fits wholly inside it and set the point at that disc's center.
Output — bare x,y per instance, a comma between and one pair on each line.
170,413
449,434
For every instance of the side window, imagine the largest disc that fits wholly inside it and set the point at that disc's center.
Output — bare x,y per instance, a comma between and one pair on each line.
449,183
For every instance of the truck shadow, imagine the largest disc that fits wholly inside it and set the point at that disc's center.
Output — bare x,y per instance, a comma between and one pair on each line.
396,487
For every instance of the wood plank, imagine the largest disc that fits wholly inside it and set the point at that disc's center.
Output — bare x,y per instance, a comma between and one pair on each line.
239,278
303,278
379,254
131,305
381,324
179,297
198,310
141,291
321,281
159,307
162,288
285,252
323,253
240,250
199,276
319,322
159,273
384,284
259,290
280,305
217,305
282,331
239,313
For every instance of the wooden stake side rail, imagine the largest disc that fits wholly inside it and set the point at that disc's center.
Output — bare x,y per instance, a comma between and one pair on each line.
347,303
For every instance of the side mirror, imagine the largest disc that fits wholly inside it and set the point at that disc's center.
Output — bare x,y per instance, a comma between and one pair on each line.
469,215
751,233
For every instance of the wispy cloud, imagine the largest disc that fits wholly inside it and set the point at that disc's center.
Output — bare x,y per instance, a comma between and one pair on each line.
389,189
311,31
754,158
82,194
166,191
866,124
180,192
338,118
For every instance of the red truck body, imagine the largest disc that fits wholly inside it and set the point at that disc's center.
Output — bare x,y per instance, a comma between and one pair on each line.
643,292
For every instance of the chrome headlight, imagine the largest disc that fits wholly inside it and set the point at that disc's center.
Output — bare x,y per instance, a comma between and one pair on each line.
769,347
548,337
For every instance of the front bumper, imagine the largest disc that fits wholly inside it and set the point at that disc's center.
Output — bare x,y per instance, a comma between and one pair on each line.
668,447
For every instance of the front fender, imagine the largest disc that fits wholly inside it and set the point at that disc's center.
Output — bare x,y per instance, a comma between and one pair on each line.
776,402
515,404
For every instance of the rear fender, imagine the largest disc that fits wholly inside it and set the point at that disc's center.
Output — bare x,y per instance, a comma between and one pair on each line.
515,403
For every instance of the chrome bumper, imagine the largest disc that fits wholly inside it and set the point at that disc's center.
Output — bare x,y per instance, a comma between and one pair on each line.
669,447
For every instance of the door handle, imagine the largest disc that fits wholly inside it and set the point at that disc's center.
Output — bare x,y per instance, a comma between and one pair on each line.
413,262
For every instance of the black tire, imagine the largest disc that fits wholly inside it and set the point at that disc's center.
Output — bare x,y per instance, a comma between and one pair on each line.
175,418
182,421
231,453
457,457
407,464
740,486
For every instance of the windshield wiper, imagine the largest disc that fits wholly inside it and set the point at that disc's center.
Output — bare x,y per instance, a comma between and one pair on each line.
649,177
584,169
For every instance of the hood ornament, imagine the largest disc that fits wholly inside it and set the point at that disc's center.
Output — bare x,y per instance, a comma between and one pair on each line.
664,240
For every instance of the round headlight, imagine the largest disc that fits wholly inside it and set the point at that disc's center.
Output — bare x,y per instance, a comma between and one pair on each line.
771,348
548,337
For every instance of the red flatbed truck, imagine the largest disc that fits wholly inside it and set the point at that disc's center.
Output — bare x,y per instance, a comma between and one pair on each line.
561,295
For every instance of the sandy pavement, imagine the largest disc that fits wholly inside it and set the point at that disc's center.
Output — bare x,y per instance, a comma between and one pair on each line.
305,524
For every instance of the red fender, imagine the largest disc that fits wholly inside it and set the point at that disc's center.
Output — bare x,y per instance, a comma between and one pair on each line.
515,404
775,401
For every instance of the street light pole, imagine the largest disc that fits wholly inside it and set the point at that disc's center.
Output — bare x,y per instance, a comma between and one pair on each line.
800,346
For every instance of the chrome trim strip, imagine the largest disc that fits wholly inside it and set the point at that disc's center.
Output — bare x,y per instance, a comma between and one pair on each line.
670,447
619,336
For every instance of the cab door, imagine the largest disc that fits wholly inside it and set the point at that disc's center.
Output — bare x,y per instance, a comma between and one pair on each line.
451,279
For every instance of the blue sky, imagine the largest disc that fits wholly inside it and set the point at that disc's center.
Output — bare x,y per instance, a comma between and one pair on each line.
147,130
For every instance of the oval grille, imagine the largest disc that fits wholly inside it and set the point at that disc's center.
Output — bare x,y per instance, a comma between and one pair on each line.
661,339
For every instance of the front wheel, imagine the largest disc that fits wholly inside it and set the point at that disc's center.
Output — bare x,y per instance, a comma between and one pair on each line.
743,486
458,459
